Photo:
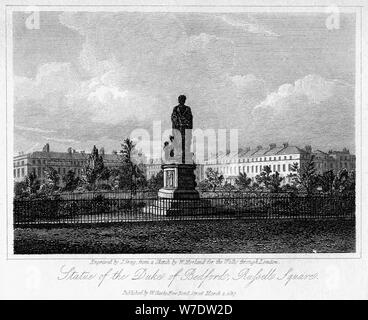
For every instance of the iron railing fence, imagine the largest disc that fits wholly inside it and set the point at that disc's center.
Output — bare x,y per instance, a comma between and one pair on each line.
35,212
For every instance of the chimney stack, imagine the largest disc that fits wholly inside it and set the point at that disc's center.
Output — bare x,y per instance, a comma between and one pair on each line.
69,150
308,148
285,144
272,145
46,148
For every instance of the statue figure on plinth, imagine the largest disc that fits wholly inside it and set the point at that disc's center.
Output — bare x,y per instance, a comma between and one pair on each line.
182,125
179,167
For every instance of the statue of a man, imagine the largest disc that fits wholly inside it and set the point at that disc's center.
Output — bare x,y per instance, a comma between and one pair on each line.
182,122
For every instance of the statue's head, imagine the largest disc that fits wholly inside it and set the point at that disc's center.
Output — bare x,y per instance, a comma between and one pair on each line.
181,99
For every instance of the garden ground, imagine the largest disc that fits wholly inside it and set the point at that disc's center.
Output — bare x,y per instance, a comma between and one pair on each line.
220,236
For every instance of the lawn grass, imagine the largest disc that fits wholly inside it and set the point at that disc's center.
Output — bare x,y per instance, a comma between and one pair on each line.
225,236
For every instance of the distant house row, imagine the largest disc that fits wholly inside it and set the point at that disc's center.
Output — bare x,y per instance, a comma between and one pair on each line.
278,158
230,165
62,162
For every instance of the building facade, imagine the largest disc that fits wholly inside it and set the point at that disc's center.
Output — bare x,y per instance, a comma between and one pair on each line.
38,162
249,161
278,158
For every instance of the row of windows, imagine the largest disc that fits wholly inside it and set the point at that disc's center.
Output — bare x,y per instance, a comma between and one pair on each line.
331,166
20,172
18,163
261,159
40,161
254,169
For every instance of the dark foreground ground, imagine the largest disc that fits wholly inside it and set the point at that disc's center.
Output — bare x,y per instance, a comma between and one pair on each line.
226,236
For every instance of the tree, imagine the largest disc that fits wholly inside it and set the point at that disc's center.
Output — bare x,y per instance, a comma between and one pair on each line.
326,180
32,182
52,179
269,181
131,170
344,181
114,179
204,185
228,187
214,179
93,169
156,182
275,183
304,177
288,188
20,188
70,181
104,174
243,182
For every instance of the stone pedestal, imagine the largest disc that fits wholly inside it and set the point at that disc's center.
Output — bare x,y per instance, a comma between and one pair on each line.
179,197
179,182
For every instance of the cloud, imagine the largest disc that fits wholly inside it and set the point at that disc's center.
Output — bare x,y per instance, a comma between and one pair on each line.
129,68
312,88
313,110
38,130
249,27
61,140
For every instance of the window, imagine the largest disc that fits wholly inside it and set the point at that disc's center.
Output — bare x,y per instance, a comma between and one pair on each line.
18,172
252,169
291,157
274,158
285,157
284,167
274,167
33,161
279,158
39,161
15,173
22,163
256,169
278,168
289,166
39,172
247,169
22,172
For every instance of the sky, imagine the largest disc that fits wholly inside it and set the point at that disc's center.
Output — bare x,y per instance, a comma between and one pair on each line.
90,78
